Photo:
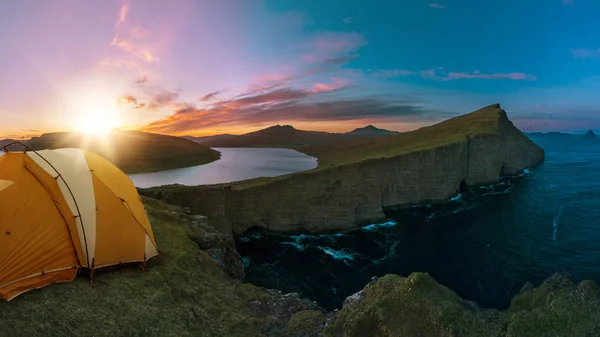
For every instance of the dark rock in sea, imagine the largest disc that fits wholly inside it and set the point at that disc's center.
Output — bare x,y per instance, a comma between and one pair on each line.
590,135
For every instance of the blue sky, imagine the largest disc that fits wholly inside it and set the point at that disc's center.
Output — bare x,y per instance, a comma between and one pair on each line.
206,67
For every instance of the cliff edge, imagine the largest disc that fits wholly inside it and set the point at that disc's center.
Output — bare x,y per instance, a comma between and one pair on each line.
356,181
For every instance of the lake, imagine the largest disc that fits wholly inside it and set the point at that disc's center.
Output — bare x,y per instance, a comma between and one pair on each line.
235,164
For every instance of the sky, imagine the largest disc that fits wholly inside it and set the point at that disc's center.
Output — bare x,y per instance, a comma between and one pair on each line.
186,67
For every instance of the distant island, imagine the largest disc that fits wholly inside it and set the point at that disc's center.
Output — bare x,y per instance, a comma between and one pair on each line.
131,151
590,135
288,137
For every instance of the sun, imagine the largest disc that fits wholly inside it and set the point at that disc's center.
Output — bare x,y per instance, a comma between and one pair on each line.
97,119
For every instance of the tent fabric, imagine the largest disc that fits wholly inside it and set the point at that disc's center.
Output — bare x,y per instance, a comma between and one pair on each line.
63,210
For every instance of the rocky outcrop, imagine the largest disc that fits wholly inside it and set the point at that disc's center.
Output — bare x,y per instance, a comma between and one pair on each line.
419,306
590,135
474,149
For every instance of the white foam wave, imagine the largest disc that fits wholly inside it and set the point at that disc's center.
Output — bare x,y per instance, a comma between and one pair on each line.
374,227
456,198
294,244
337,254
555,223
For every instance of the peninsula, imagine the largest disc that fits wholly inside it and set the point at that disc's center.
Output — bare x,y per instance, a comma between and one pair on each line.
131,151
358,180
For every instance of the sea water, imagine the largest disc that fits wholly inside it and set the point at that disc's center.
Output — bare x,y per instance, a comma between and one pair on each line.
483,244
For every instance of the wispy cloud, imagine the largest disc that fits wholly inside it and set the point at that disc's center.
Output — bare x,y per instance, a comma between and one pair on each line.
437,6
209,97
392,73
348,20
586,53
129,99
440,74
331,45
140,51
122,14
287,104
336,84
141,81
477,75
568,2
340,60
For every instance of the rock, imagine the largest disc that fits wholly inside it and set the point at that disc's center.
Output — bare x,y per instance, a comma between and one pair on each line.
590,135
526,287
290,315
558,281
353,299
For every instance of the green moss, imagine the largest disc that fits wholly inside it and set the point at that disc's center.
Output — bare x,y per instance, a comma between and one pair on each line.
133,151
413,306
304,323
419,306
182,293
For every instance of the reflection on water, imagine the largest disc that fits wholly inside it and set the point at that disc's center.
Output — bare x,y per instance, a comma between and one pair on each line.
235,164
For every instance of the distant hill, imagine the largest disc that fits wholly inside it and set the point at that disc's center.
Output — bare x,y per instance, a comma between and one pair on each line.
5,142
133,151
201,140
591,135
287,136
371,131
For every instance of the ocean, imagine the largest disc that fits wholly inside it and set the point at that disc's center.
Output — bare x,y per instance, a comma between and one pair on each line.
484,244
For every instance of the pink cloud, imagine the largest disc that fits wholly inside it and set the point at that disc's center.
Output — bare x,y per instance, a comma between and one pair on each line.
336,83
122,14
586,53
209,97
140,51
437,6
330,45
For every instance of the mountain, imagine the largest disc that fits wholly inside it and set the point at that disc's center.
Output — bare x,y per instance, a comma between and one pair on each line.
287,136
133,151
590,135
201,140
371,131
5,142
275,136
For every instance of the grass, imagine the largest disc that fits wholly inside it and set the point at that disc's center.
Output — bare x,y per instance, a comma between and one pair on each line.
182,293
450,131
134,151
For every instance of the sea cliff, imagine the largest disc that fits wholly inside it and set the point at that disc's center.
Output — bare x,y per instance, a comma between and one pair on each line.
357,181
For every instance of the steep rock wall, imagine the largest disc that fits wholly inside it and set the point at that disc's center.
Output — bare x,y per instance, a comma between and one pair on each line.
348,196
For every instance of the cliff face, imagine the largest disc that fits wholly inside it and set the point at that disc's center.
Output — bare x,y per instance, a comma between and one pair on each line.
357,192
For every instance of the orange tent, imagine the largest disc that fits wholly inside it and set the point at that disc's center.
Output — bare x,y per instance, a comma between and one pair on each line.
62,210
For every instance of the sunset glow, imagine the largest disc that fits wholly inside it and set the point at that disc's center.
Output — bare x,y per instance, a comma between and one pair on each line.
202,67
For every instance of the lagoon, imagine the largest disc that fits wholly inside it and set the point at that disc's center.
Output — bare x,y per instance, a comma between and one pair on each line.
235,164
